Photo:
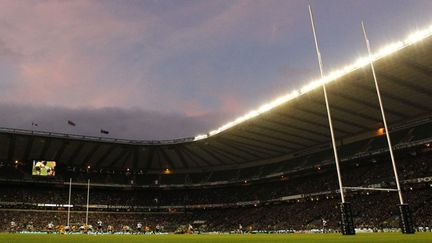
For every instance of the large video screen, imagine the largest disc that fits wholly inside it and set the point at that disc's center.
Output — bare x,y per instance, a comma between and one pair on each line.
43,168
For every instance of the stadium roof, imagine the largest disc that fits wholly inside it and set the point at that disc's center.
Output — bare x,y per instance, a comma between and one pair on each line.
289,125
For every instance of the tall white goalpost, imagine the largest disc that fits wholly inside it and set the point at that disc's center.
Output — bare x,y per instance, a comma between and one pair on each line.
88,200
407,226
347,224
69,202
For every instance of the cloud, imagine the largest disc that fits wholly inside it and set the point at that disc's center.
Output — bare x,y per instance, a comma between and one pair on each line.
131,123
99,53
8,52
69,49
150,71
201,61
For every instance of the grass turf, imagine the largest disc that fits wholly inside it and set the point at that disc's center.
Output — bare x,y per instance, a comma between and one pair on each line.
304,238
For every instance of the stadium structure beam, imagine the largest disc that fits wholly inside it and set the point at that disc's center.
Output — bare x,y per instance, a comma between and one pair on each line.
11,150
278,134
257,153
136,158
258,143
337,107
108,152
284,142
417,66
166,157
75,152
159,158
272,127
149,158
401,82
299,129
192,158
362,102
406,220
90,153
346,213
249,150
28,148
181,157
388,95
249,146
47,144
225,151
122,154
257,133
196,155
126,158
338,119
59,152
218,159
315,124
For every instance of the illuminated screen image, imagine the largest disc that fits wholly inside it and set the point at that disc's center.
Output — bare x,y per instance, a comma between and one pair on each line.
43,168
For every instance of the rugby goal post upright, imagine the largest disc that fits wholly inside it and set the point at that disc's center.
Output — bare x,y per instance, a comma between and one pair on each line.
347,222
88,200
69,202
406,221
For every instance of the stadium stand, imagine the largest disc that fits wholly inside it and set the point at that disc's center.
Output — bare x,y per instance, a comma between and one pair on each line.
310,195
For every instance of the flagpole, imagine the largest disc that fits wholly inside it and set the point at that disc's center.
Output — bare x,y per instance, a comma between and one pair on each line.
69,202
405,214
88,199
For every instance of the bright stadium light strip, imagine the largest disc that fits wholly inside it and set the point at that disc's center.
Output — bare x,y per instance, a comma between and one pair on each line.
332,76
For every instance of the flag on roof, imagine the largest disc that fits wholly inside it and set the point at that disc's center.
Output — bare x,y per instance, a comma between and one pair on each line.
104,131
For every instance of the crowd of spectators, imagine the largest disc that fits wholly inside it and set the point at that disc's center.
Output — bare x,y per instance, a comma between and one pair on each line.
356,173
375,210
372,209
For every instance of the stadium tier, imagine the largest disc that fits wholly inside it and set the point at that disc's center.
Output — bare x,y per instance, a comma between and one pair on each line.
404,138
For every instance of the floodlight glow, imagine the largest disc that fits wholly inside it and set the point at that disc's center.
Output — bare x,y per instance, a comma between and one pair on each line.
201,136
311,86
418,35
389,49
332,76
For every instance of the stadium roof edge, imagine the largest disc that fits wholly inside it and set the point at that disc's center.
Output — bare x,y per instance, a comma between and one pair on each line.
95,138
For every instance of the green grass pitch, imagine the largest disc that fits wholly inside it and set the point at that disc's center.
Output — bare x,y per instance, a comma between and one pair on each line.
378,237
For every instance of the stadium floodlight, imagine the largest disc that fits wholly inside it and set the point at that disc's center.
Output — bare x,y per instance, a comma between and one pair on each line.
386,50
167,171
199,137
362,62
418,35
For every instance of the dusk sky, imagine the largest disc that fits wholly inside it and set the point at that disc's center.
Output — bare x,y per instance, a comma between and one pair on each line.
161,69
